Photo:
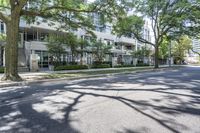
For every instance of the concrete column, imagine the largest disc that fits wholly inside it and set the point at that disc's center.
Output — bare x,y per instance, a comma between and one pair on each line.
37,35
136,45
0,56
26,37
4,57
22,40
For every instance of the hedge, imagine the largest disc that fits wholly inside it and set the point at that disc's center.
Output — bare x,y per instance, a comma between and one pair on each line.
118,66
70,67
142,64
103,62
101,66
1,69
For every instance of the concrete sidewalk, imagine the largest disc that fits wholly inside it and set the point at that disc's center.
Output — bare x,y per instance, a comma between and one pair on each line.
36,77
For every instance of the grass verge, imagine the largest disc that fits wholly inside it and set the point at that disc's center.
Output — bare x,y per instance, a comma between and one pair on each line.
94,73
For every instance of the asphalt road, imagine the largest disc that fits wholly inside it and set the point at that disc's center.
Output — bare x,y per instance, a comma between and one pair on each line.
151,102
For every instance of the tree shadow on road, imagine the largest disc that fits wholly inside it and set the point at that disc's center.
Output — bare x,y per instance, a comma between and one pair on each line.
26,109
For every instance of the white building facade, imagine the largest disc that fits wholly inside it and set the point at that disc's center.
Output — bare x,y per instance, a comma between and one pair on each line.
32,42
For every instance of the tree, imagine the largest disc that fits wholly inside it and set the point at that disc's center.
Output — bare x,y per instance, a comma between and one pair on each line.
55,48
71,41
2,37
73,12
141,53
164,48
82,44
180,47
192,29
100,49
196,52
166,17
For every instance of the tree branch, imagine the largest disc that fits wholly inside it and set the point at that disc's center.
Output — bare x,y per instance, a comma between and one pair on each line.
142,39
22,3
3,17
35,13
71,9
195,51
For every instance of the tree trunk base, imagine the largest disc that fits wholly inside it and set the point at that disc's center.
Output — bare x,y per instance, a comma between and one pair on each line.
11,78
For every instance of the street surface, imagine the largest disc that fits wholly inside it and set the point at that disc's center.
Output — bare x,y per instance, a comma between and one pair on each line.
150,102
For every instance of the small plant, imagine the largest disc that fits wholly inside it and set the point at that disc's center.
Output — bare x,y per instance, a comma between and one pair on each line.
70,67
118,66
101,66
99,50
1,69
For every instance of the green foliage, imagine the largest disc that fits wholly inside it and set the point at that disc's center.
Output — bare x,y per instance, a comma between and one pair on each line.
101,66
70,67
55,48
70,14
129,25
180,47
100,49
1,69
71,41
192,14
168,18
119,66
141,64
141,53
2,37
58,43
104,62
164,48
83,44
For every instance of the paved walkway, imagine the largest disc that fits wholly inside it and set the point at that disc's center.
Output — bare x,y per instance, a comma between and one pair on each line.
150,102
44,75
33,76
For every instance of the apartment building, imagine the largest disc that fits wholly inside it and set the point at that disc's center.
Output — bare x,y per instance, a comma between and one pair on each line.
32,44
2,31
196,45
192,56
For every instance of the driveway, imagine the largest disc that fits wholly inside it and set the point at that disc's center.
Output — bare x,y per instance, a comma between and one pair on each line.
150,102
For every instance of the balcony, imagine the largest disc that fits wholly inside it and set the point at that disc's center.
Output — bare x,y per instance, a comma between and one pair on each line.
127,40
36,45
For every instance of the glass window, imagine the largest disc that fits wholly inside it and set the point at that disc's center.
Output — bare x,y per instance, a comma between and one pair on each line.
2,27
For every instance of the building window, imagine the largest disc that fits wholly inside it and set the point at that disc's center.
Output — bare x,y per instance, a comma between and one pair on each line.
108,42
2,27
128,47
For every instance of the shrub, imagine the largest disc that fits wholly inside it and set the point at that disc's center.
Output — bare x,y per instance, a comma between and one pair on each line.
142,64
118,66
97,63
101,66
1,69
102,62
107,62
70,67
73,63
57,63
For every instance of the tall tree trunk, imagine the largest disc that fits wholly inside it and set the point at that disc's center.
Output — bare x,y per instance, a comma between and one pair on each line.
11,49
156,58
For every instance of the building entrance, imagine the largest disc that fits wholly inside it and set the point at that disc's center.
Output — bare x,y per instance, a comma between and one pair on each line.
43,58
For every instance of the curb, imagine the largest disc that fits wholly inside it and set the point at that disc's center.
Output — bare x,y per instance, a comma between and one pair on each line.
22,83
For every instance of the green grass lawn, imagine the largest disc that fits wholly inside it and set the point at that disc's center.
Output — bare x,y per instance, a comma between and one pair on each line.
93,73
